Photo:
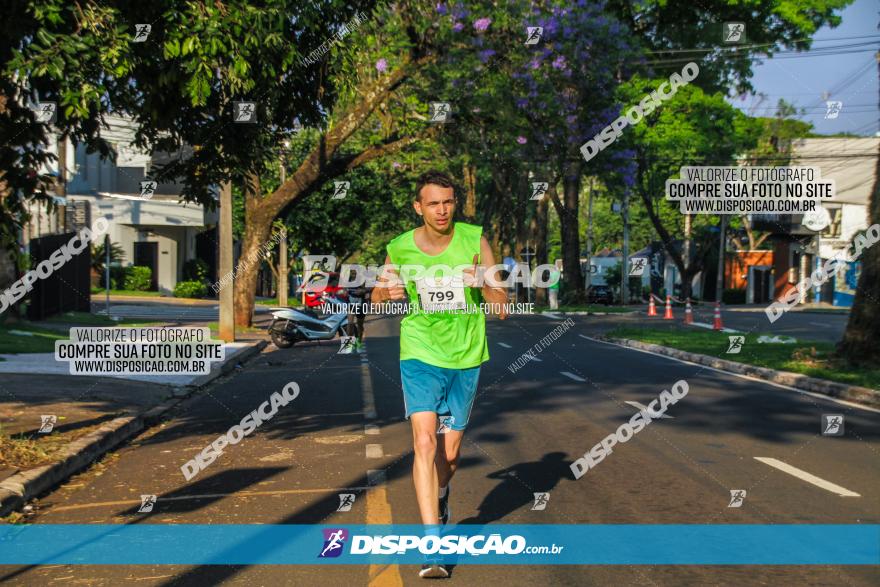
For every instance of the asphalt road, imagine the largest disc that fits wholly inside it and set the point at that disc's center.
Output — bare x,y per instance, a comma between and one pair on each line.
803,325
526,427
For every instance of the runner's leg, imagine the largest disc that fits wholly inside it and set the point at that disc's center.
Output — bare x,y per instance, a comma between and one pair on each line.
424,426
448,449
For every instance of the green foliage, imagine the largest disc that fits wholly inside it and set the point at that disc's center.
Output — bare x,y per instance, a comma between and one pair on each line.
196,270
117,277
99,256
190,289
138,278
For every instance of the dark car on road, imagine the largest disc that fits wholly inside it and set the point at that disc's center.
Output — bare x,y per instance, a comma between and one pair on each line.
600,294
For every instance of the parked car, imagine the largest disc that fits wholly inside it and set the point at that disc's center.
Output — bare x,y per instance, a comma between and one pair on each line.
314,290
600,294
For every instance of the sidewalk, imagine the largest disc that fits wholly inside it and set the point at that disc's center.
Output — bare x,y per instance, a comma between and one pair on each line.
45,364
92,416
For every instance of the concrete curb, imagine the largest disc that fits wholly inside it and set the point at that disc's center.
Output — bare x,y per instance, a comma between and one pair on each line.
16,490
852,393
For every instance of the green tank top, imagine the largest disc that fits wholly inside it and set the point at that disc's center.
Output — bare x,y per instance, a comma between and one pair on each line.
449,338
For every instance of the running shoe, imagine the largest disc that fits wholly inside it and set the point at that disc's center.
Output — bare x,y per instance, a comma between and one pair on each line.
433,571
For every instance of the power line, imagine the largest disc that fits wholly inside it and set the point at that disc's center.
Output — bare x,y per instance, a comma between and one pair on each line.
752,46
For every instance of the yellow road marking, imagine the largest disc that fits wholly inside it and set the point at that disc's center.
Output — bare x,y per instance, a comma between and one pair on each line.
378,508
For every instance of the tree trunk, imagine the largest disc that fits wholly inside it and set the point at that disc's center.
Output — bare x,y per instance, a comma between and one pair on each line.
686,280
469,173
861,341
571,244
258,225
541,251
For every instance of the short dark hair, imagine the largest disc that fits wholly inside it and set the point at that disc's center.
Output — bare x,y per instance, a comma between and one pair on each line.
434,177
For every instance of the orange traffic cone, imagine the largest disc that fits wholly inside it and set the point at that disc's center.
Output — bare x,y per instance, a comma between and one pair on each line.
668,315
718,325
652,309
688,313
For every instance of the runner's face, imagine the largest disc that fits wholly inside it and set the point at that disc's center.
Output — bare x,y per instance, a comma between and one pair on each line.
436,204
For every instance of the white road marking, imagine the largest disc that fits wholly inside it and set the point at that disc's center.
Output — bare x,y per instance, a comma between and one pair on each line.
553,315
367,392
572,376
505,345
640,407
822,324
712,327
371,429
536,359
804,476
374,451
741,376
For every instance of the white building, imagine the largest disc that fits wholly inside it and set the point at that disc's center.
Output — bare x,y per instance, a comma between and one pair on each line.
852,164
158,231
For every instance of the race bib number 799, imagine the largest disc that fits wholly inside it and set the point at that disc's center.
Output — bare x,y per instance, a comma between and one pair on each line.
435,295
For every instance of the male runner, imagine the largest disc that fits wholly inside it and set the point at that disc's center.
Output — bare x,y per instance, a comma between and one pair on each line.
441,350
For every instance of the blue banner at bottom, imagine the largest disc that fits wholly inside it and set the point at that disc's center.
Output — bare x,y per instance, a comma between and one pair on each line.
607,544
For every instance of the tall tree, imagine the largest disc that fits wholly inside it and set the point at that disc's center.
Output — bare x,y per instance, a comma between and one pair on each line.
861,340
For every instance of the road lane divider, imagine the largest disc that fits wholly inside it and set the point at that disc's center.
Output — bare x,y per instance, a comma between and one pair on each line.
808,477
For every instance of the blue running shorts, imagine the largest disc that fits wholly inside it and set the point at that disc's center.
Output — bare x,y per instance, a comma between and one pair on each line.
446,392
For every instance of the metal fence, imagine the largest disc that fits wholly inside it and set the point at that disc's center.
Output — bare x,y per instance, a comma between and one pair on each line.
68,288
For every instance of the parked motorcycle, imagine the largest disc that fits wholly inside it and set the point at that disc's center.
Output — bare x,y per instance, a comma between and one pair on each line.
293,325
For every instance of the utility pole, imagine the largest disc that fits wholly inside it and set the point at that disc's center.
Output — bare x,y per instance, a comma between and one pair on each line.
107,271
590,237
719,284
227,316
624,272
282,268
282,251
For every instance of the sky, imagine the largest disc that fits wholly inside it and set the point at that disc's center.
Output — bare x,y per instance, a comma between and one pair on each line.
851,78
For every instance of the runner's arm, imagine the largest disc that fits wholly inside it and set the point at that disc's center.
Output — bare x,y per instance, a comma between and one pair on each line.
383,292
493,295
